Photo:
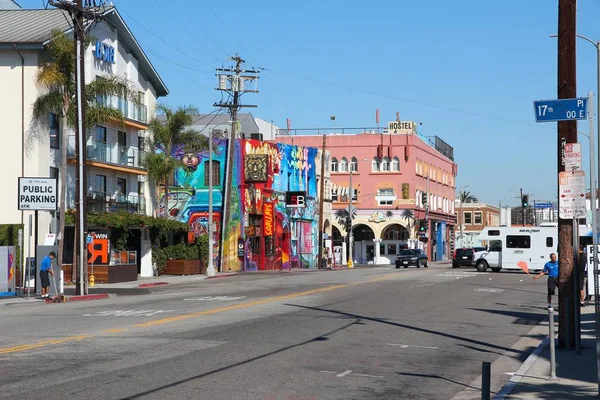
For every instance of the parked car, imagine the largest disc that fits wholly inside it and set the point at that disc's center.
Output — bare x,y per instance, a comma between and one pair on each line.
408,257
464,256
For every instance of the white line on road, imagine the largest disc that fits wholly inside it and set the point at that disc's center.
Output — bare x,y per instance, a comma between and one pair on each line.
369,376
223,298
489,290
346,372
127,313
404,346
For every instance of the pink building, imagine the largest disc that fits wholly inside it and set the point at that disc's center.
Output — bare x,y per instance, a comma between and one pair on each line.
390,173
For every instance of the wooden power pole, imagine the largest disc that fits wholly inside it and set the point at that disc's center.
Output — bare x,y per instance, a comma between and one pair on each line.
321,203
567,132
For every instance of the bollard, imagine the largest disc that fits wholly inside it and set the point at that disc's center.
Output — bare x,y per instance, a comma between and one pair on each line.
486,371
552,353
61,283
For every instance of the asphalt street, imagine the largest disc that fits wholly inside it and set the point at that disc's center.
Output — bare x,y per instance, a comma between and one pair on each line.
372,333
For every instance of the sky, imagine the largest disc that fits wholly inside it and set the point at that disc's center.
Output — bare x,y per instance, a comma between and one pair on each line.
467,70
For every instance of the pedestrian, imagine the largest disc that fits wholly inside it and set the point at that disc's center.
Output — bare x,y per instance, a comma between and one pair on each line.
45,271
583,265
550,268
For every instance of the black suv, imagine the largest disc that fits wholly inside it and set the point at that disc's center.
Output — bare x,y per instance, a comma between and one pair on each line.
411,257
464,256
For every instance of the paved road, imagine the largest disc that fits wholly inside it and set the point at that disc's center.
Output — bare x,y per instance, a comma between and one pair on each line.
376,333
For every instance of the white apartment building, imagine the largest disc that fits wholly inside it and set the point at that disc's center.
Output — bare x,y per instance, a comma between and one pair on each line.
31,148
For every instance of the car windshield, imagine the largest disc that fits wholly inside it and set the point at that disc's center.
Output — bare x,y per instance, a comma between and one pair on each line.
410,252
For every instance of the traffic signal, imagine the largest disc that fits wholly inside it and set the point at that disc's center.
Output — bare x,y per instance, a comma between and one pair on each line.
525,200
424,198
423,225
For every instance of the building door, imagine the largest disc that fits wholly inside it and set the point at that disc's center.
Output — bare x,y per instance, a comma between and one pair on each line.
370,252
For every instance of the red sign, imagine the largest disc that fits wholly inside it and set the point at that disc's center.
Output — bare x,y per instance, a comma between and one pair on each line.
268,218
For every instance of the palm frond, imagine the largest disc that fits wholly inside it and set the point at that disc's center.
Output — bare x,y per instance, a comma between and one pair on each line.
98,114
50,102
109,86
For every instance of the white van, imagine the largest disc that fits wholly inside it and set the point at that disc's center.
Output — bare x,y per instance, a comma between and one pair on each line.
509,245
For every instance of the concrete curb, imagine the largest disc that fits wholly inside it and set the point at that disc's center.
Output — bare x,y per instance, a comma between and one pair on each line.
147,285
97,296
516,378
228,275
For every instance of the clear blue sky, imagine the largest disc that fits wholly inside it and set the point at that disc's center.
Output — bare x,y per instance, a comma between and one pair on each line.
469,70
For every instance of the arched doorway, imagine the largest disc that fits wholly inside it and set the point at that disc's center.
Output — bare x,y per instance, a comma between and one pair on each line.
364,247
394,238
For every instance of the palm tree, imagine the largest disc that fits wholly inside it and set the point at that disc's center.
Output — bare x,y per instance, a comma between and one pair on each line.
56,78
409,216
169,133
343,217
467,197
389,214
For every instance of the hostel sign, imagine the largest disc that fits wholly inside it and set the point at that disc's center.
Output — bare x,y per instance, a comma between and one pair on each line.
37,194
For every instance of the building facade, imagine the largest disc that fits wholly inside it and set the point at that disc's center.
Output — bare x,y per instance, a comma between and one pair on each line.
394,182
115,175
471,219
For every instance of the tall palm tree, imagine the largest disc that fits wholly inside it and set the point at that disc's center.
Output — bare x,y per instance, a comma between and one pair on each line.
409,216
56,78
170,132
343,217
467,197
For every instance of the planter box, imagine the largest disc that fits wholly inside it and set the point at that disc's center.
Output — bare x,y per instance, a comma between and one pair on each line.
108,273
183,267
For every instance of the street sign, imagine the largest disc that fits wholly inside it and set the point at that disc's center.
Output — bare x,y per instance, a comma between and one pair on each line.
572,157
571,192
542,205
89,239
37,194
560,109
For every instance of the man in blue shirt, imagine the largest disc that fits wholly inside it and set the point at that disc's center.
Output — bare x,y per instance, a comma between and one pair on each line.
45,270
550,268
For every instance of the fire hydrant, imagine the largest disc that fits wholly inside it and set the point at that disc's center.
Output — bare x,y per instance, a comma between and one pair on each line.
350,264
92,280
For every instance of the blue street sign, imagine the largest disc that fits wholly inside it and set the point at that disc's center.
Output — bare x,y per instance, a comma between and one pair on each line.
542,205
560,110
89,239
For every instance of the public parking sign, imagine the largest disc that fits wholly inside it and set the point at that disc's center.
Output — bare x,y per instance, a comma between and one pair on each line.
38,194
560,109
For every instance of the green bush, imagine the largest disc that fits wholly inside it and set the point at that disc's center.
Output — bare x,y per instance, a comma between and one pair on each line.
176,252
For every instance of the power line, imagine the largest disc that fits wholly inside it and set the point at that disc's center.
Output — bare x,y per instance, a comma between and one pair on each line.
290,100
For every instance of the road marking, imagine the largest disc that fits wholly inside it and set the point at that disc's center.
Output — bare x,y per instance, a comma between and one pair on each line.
349,373
115,330
346,372
490,290
369,376
44,343
405,346
223,298
127,313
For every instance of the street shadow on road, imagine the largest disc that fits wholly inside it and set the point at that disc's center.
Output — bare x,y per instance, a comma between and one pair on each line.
319,338
430,376
521,317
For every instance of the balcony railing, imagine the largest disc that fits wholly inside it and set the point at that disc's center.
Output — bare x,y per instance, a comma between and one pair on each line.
110,153
131,110
103,202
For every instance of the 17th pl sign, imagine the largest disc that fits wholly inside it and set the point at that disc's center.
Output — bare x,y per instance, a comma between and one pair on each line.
37,194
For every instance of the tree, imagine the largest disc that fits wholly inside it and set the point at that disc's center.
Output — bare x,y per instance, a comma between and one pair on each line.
467,197
389,214
343,217
409,216
56,77
171,131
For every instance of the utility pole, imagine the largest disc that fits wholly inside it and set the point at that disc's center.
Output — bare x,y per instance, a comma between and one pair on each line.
233,82
351,195
567,132
522,208
79,15
322,201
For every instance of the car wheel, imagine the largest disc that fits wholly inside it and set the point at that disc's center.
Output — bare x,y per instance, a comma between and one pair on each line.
496,269
418,263
481,266
406,266
455,265
397,266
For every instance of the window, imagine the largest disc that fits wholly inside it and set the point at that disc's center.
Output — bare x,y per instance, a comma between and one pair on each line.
54,131
101,134
100,184
354,165
385,164
494,233
382,249
122,138
391,248
386,192
334,195
121,186
386,202
354,195
518,242
334,165
216,173
343,165
478,217
141,143
375,165
141,189
549,242
467,218
395,165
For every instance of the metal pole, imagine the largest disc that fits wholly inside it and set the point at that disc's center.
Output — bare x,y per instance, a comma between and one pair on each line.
486,372
462,222
351,258
210,269
552,351
35,252
20,261
29,257
81,161
594,222
576,305
427,219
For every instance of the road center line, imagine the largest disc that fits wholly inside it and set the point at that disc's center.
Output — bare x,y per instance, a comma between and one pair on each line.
44,343
346,372
405,346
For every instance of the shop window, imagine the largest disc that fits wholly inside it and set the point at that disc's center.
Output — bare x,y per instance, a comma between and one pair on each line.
343,165
382,249
478,217
391,249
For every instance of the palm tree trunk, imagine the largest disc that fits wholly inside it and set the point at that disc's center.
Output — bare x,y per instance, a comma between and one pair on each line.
62,203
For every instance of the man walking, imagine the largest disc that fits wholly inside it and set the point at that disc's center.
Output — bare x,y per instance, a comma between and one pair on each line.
45,271
550,268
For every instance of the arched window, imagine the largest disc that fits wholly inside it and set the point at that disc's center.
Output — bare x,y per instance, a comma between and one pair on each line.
385,164
334,165
395,165
343,165
353,165
375,165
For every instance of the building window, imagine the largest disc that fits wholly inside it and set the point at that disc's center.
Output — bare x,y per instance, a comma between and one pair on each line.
121,186
334,195
334,165
375,165
343,165
141,143
216,173
100,134
122,138
385,192
478,217
100,184
141,189
54,173
395,164
386,202
382,248
467,218
391,249
385,164
354,165
54,131
354,195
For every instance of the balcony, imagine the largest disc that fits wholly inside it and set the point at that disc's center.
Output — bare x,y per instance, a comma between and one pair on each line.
110,153
131,110
103,202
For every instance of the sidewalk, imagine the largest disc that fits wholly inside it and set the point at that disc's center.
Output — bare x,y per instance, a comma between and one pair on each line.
576,374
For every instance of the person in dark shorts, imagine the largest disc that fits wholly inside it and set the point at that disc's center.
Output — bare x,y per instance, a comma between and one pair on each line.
550,268
45,272
583,257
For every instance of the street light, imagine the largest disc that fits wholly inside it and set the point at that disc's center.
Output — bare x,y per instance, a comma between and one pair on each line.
460,197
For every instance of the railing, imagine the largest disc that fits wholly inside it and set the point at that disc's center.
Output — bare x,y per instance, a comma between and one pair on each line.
110,153
131,110
102,202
